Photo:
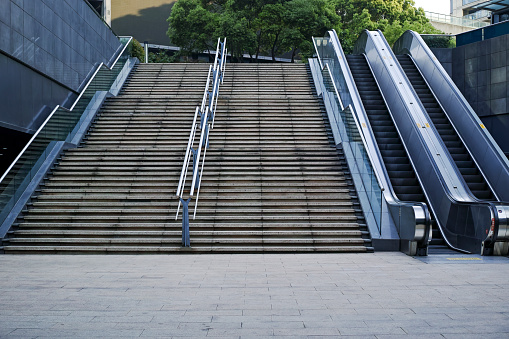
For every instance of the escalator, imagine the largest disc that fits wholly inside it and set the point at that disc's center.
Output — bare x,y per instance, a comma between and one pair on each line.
462,158
467,213
427,156
400,171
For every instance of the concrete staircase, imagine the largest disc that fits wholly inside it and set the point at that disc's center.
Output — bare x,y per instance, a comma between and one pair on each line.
273,180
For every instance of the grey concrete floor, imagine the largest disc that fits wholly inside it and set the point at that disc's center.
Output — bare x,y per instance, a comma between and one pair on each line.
381,295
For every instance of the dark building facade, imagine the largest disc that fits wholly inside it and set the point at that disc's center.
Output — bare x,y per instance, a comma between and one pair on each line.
48,51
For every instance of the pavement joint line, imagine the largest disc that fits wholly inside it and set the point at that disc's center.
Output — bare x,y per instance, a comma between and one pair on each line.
378,295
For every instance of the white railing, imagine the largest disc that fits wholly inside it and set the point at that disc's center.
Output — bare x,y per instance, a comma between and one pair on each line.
207,111
454,20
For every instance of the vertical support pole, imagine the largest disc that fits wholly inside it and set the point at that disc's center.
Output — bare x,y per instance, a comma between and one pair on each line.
146,52
186,242
206,139
107,11
195,169
381,209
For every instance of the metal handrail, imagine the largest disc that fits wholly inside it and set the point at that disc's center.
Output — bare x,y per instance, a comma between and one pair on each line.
64,108
207,110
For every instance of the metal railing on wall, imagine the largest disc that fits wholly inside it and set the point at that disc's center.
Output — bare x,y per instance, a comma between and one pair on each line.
454,20
207,111
62,124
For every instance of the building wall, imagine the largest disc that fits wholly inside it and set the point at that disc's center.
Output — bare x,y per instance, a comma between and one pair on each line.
444,55
144,20
458,9
449,28
480,70
48,49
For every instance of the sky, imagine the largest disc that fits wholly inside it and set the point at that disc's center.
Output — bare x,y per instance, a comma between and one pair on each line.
436,6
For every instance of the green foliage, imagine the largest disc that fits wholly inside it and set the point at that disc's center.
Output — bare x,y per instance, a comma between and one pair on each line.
192,26
161,57
394,30
274,27
138,51
392,17
439,41
240,38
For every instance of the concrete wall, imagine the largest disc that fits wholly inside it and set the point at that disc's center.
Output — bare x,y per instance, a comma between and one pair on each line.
48,49
449,28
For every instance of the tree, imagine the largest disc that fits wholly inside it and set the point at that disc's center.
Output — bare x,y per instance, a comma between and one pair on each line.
393,31
192,27
271,23
305,19
235,27
389,16
161,57
274,27
138,51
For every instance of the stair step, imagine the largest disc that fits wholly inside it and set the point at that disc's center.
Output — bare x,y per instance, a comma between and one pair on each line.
273,181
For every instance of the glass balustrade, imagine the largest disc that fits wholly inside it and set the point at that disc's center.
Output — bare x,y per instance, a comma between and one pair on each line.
345,119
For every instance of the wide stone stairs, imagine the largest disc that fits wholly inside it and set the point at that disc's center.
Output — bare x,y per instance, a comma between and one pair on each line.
273,181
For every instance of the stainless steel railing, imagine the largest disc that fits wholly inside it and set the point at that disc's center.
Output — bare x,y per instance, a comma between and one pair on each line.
207,111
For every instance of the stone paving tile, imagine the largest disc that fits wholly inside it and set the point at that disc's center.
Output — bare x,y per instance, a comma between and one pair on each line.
295,332
381,295
402,336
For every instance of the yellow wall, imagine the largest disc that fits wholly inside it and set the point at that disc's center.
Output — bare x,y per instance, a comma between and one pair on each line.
143,19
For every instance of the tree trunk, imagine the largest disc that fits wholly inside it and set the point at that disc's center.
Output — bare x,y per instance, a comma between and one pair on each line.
258,46
274,48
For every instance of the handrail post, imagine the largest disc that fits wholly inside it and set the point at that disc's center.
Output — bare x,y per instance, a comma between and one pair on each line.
195,162
186,241
207,114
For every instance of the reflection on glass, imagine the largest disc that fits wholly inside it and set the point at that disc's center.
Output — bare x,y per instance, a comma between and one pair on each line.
337,99
439,40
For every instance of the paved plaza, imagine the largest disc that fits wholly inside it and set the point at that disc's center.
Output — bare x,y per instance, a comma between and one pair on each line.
380,295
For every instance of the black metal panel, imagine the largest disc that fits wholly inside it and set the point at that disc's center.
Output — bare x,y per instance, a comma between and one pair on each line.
26,96
48,49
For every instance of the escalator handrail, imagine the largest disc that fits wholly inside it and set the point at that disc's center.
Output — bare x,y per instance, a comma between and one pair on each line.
359,129
422,205
361,116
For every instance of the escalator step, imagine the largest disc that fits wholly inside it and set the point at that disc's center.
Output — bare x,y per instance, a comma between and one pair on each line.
459,153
